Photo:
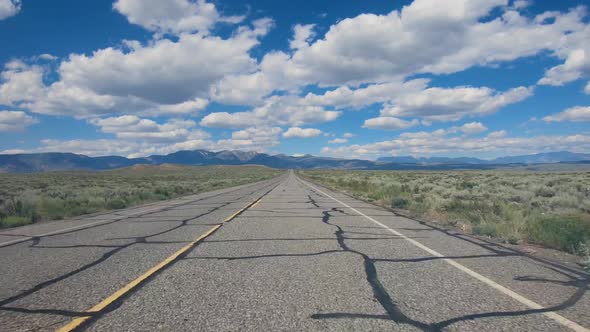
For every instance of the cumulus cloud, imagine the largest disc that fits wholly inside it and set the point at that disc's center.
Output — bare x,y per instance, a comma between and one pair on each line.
155,79
572,114
423,37
21,85
576,65
380,51
573,48
470,128
173,16
15,120
9,8
443,142
251,139
450,104
337,141
131,127
301,132
344,96
365,60
248,89
164,71
302,35
277,110
389,123
20,82
133,144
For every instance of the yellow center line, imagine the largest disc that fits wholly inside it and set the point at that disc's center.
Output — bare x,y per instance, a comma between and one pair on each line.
77,322
256,203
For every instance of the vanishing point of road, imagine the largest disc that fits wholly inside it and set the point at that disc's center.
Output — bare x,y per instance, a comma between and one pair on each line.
281,254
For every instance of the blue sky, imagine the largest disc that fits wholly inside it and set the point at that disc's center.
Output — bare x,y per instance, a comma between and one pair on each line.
364,79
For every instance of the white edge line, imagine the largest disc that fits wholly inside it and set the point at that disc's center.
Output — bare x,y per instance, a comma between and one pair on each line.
531,304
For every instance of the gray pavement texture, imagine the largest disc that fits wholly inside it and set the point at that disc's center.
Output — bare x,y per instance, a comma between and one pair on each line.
297,260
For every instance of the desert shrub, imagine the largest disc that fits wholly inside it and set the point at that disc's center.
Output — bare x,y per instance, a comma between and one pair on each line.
14,221
561,232
544,192
116,204
511,205
400,203
26,198
485,229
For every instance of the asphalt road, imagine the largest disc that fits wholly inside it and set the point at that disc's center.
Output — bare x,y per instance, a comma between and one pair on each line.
296,257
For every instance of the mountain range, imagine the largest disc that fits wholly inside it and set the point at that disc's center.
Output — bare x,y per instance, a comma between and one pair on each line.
54,161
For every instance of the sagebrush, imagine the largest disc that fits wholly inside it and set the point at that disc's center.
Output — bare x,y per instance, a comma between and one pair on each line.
29,198
552,209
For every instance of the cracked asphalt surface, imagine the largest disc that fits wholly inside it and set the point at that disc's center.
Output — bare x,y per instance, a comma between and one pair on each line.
296,260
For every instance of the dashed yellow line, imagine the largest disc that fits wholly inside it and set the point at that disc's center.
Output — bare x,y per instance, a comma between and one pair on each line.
77,322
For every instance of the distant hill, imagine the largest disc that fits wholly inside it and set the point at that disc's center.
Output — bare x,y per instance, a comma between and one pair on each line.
539,158
432,160
544,158
53,161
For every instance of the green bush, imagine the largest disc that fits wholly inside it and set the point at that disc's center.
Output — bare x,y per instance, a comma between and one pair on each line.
116,204
545,192
399,203
26,198
561,232
486,230
510,205
14,221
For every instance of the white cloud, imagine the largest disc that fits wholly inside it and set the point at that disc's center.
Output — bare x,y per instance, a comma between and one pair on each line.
47,57
587,89
188,107
21,85
383,50
389,123
574,49
356,98
164,71
337,141
162,77
302,35
156,79
573,114
301,132
20,82
15,120
348,135
13,151
229,120
251,139
276,110
442,142
249,89
131,127
576,65
471,128
9,8
521,4
423,37
173,16
450,104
